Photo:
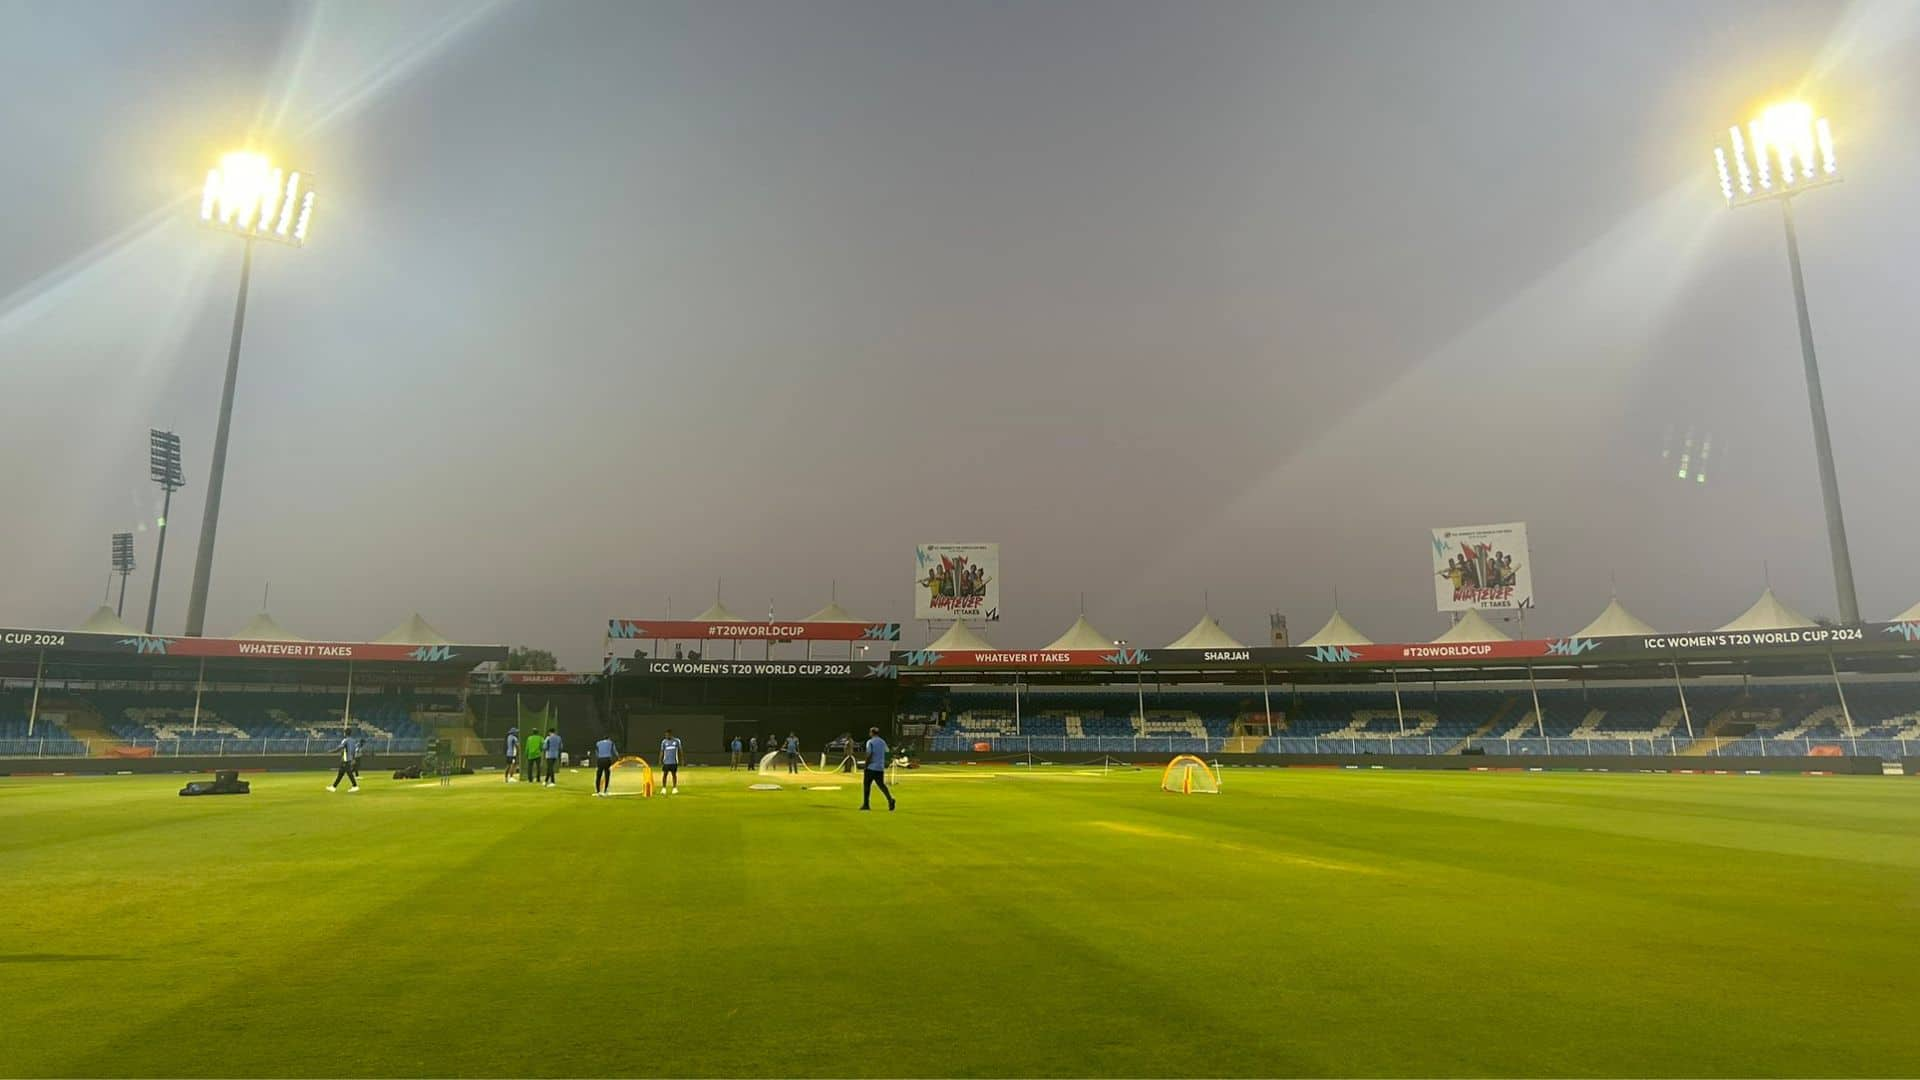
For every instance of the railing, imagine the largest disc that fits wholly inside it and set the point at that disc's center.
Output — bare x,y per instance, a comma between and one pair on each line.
199,746
1535,746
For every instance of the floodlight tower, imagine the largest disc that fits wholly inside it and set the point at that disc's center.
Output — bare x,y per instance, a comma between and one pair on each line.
246,195
122,565
1783,152
163,459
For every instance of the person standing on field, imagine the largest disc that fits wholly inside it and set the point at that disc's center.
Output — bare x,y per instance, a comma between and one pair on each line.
735,748
876,773
603,755
793,752
669,764
530,756
513,752
551,747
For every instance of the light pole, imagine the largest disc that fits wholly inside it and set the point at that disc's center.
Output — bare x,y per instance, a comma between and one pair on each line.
122,565
163,460
247,196
1782,153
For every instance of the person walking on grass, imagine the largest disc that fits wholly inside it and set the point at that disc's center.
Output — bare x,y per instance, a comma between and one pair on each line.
876,773
551,747
349,763
669,764
603,755
513,752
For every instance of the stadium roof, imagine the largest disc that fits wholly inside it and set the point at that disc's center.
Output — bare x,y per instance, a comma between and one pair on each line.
263,628
415,631
717,613
1206,634
1768,613
1472,627
104,621
1912,614
1338,631
1081,635
1616,621
833,613
961,638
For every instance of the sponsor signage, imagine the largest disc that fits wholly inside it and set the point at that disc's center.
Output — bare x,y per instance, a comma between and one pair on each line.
761,669
956,582
60,641
775,630
545,678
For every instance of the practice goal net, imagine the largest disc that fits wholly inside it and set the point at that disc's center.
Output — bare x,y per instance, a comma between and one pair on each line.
634,767
1188,775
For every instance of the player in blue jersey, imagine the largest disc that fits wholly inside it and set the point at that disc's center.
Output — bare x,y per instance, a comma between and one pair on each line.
876,772
670,763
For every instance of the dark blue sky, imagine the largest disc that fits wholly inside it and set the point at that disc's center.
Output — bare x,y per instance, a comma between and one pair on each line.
607,301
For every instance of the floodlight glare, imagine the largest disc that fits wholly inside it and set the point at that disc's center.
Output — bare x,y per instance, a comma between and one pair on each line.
246,194
1791,136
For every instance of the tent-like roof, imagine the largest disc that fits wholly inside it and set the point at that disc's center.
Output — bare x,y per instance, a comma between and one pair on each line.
833,613
1912,614
1616,621
1338,631
1768,613
415,631
1473,627
717,613
1206,634
263,628
1081,635
960,638
104,621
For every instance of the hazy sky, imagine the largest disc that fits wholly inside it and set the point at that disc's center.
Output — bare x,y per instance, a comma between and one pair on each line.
606,301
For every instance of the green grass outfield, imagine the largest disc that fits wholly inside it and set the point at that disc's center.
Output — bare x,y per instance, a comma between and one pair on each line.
1002,923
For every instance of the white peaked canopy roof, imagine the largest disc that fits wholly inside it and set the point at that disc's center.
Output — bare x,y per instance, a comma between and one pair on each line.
1338,631
1616,621
960,638
1472,627
833,613
263,628
1081,635
717,613
104,621
1768,613
1912,614
415,631
1206,634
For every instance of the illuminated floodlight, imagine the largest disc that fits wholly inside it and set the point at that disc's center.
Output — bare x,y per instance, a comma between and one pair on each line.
1787,143
249,195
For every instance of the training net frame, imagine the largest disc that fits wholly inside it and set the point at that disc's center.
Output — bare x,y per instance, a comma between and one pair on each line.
1188,775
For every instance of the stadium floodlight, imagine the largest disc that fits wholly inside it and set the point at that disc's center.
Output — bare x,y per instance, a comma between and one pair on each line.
163,459
251,197
122,565
1786,150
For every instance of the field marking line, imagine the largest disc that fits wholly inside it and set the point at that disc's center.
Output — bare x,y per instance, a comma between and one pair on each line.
1308,861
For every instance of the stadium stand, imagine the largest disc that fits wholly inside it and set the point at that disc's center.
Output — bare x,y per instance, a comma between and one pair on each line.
260,723
1775,719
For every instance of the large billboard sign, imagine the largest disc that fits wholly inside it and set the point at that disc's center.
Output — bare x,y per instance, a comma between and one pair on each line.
1482,566
956,582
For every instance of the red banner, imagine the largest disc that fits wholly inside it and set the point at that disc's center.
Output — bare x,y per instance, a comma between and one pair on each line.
796,630
1007,658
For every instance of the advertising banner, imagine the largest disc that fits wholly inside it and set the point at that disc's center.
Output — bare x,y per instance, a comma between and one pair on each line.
795,630
62,641
761,669
1482,566
956,582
